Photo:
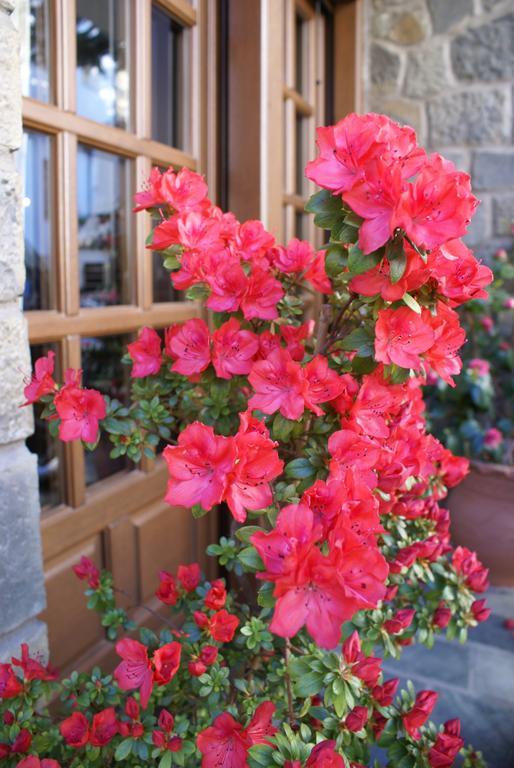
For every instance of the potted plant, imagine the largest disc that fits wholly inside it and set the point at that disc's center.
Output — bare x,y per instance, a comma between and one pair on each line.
316,444
475,419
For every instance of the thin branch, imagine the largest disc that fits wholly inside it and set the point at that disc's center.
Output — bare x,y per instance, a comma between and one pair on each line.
147,608
322,329
290,710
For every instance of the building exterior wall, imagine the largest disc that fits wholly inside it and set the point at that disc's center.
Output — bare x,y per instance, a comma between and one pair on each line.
22,594
446,67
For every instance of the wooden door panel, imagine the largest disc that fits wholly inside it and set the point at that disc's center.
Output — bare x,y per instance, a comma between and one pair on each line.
121,560
72,628
165,539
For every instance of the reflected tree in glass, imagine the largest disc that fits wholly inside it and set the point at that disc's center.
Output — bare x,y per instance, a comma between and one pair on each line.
103,196
32,17
35,167
103,61
49,450
103,370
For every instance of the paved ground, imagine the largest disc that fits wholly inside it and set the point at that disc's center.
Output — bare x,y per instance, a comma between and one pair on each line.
475,681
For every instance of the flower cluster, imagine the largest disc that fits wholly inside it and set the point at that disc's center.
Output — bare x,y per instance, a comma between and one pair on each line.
313,432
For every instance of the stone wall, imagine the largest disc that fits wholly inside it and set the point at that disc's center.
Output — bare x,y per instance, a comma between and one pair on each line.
446,67
22,594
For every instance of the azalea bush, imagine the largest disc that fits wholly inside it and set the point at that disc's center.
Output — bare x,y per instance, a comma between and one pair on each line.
311,437
475,417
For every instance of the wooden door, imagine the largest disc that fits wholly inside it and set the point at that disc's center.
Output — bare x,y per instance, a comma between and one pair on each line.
111,87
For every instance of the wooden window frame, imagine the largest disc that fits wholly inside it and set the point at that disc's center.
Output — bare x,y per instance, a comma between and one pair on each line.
65,324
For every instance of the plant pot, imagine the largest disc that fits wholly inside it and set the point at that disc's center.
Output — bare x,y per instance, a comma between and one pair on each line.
482,515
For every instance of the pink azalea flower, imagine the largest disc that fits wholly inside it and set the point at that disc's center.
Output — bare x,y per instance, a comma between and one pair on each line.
80,410
145,353
198,467
135,671
226,743
279,385
233,350
401,336
189,345
42,382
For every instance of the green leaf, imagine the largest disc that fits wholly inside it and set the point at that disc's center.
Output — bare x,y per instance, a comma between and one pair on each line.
123,749
198,511
328,208
250,559
360,339
299,469
171,262
281,428
344,233
411,303
359,262
243,534
397,258
309,684
335,260
165,761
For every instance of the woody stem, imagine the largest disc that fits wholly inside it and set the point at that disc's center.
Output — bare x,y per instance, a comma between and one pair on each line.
290,710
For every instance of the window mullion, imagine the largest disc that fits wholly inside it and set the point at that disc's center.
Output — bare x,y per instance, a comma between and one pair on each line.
141,90
67,233
73,452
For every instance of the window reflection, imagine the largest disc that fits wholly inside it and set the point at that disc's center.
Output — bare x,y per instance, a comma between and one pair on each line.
32,18
103,225
103,370
302,153
169,87
103,61
48,449
35,167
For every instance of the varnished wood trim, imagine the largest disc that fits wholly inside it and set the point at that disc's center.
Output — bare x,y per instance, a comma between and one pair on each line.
297,201
126,491
302,106
53,326
74,464
181,10
49,118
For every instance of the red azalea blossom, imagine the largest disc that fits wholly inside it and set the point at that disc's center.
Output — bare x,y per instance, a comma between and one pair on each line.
222,626
145,353
401,336
33,669
167,591
104,727
419,714
42,382
135,671
189,345
324,755
216,597
467,565
226,743
279,385
447,746
75,730
166,661
233,350
80,410
34,762
356,720
189,576
86,570
198,467
10,685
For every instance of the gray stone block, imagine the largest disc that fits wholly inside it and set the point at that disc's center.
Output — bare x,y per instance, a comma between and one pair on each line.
446,13
34,633
469,117
12,267
503,215
22,595
501,601
384,66
403,26
15,423
492,170
10,92
492,673
447,663
427,72
403,111
479,230
459,157
485,53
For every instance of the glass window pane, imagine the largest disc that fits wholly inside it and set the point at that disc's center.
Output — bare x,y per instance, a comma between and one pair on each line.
301,55
103,370
35,167
103,61
163,289
32,17
169,87
104,222
49,450
302,153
